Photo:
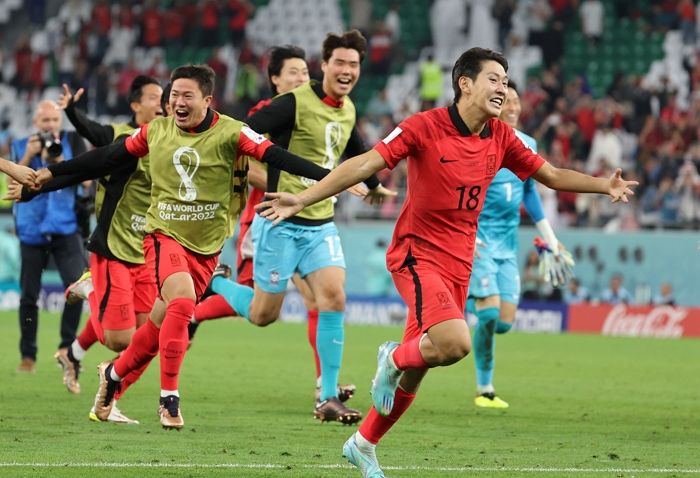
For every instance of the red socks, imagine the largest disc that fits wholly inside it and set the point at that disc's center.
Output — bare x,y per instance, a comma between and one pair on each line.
407,355
213,307
141,350
173,341
88,336
312,327
375,426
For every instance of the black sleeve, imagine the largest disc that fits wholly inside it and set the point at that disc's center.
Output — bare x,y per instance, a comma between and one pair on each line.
98,134
280,158
355,147
96,163
275,118
54,185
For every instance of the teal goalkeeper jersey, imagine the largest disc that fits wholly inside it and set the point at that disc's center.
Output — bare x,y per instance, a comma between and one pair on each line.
499,220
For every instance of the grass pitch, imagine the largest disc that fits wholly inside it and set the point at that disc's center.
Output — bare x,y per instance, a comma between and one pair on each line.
581,406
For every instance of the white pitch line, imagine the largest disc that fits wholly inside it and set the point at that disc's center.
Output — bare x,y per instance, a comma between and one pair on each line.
462,469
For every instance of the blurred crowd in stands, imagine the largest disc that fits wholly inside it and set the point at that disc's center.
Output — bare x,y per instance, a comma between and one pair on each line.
102,45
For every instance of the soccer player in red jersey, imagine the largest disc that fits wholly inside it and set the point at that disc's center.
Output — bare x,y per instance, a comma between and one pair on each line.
194,156
453,154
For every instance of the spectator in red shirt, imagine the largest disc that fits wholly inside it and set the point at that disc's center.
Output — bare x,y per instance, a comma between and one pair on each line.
239,11
102,16
151,25
452,155
174,27
209,24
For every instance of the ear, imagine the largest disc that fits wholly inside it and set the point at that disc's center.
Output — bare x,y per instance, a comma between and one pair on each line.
324,66
465,84
208,99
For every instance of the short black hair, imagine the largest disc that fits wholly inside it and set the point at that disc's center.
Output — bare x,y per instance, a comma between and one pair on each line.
165,98
513,85
469,64
202,74
278,55
352,39
136,88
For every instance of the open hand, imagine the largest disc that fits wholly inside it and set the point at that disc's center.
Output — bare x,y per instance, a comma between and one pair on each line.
279,206
23,174
67,97
14,191
620,188
379,194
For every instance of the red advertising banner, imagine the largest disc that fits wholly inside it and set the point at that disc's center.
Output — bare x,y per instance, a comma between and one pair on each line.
635,321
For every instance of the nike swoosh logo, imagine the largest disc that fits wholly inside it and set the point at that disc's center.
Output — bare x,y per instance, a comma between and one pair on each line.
337,342
444,161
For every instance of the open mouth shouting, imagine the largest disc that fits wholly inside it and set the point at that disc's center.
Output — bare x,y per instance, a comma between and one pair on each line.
181,115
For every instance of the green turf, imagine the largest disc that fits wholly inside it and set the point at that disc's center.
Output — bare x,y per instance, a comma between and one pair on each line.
581,406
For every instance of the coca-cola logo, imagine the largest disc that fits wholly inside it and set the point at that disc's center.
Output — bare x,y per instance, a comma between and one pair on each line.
662,321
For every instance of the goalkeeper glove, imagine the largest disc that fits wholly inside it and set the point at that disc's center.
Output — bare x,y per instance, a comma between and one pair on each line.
556,268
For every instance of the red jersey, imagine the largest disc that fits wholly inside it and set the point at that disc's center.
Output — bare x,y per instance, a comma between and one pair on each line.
255,195
449,171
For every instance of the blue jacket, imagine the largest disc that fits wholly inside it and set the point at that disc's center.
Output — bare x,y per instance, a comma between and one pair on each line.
47,214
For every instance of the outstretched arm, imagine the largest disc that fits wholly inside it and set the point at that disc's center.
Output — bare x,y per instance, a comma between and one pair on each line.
98,134
284,205
568,180
282,159
22,174
93,164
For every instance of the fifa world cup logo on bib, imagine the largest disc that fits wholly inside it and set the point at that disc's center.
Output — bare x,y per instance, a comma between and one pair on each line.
333,136
186,161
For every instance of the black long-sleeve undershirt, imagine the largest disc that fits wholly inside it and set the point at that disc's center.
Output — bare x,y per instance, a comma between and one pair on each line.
107,159
98,134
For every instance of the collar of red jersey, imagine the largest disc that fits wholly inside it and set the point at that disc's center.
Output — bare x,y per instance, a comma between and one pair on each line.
462,126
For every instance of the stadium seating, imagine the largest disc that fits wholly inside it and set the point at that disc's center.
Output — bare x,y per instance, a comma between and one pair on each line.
624,46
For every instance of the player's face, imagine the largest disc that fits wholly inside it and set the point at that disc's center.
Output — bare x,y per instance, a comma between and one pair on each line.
489,89
511,110
48,119
294,73
148,108
341,72
188,103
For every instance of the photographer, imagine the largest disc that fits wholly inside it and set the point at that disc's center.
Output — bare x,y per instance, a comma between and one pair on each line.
47,225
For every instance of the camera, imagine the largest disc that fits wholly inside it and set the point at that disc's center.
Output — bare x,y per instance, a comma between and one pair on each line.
52,145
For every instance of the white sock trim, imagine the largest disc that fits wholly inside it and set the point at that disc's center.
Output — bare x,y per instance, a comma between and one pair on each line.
78,351
485,389
113,375
362,442
165,393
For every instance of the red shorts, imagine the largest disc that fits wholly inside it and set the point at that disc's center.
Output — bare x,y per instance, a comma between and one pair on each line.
121,290
244,255
245,272
430,298
165,256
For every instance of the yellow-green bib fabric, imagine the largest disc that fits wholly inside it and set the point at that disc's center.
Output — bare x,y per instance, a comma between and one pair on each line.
192,176
321,133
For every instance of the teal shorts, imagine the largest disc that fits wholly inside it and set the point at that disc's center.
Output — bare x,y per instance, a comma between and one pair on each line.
283,249
495,277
